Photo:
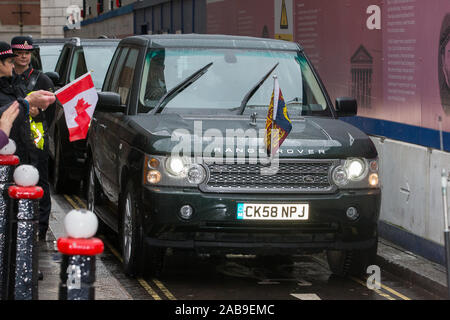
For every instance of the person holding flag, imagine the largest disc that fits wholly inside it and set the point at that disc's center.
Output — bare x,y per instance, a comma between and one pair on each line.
278,124
30,80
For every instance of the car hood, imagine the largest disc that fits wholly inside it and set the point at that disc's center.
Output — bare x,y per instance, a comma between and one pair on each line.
310,137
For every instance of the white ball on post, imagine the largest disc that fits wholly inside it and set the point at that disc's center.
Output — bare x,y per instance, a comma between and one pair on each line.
80,223
8,149
26,175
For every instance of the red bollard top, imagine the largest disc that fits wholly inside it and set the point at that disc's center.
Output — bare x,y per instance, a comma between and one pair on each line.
82,247
9,160
18,192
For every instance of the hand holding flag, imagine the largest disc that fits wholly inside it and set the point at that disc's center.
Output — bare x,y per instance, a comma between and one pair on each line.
79,99
278,122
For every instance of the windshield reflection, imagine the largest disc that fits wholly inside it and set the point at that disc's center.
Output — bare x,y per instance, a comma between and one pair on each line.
234,72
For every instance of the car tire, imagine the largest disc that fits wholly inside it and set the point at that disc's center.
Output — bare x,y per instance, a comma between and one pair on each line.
93,196
345,263
138,259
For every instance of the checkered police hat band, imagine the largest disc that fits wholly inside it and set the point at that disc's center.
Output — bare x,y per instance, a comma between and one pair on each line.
6,52
22,47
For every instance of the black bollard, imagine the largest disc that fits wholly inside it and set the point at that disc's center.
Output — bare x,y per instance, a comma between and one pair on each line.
25,277
7,165
78,267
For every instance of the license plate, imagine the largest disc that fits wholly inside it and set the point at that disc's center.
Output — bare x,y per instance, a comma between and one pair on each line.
256,211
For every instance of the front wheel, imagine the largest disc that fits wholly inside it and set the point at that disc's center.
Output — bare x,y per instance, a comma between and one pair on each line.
345,263
138,259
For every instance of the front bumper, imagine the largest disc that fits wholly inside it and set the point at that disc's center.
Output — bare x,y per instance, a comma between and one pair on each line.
214,226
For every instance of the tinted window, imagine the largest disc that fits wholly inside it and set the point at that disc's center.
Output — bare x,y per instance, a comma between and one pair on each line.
114,83
111,69
125,79
62,63
78,65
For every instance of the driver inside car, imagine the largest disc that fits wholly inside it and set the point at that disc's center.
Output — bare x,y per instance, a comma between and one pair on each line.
156,85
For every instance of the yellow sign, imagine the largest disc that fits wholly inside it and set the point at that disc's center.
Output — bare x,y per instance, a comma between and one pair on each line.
287,37
284,19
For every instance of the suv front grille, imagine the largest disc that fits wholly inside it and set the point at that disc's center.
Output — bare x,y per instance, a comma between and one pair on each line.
292,177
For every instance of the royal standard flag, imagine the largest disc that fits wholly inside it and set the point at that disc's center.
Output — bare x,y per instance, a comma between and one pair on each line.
277,121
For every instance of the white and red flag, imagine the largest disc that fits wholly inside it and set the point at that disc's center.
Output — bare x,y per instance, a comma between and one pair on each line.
79,99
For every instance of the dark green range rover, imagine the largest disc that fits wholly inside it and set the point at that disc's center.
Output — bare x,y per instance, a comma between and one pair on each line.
177,155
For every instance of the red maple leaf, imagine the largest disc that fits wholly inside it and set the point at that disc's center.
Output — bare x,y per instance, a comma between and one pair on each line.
83,120
81,106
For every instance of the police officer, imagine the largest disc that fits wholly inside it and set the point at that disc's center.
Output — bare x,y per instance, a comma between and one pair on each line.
20,131
29,80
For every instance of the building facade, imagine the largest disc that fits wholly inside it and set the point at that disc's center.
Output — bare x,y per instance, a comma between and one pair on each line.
110,18
19,17
121,18
54,16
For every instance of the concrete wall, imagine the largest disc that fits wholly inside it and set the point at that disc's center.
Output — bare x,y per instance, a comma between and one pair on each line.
53,17
411,193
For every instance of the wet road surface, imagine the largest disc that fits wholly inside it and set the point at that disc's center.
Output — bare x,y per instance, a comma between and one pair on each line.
187,276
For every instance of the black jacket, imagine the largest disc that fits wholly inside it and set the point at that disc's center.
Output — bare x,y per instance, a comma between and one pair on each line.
20,131
34,80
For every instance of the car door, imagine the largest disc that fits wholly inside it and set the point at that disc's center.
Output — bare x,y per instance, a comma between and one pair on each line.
101,120
113,123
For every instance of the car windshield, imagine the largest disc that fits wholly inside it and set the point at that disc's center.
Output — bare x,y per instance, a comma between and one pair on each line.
233,74
97,62
49,54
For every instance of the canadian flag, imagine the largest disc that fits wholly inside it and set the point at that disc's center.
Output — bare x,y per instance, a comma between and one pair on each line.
79,99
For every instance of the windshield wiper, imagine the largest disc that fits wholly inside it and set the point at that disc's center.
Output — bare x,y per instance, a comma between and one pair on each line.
180,87
250,94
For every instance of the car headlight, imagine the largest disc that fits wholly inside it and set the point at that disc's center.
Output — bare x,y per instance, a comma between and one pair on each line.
356,169
173,171
176,166
340,176
356,173
196,174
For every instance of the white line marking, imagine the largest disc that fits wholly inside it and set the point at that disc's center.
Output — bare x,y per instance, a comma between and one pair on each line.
306,296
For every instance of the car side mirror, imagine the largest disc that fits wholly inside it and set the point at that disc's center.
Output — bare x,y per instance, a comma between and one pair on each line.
110,102
346,107
54,76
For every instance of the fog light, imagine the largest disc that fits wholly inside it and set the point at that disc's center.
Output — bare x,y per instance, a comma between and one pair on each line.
373,180
352,213
186,212
153,176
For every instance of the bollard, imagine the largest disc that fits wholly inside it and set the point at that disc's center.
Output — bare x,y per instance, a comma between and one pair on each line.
7,164
79,251
26,250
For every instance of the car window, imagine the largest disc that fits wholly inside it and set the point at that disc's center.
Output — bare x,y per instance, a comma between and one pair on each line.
114,83
111,71
225,84
78,65
62,63
126,74
98,59
49,56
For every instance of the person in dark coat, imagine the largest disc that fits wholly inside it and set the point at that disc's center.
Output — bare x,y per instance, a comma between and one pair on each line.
6,122
9,93
29,80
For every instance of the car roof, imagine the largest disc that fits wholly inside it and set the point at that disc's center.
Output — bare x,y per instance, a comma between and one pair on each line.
50,40
210,41
91,42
